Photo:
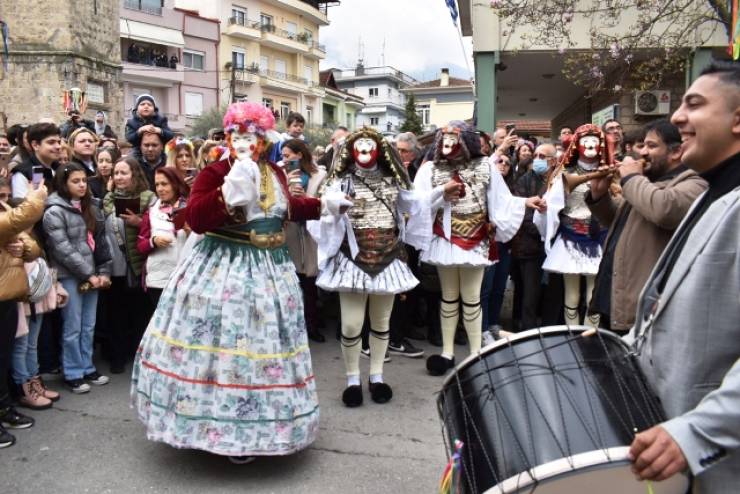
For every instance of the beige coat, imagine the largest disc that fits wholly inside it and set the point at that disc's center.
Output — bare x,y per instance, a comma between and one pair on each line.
302,247
657,210
13,223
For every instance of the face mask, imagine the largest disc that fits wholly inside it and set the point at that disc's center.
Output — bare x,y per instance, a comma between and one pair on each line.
539,166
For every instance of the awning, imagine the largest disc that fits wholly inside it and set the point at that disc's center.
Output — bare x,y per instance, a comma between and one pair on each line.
371,110
150,33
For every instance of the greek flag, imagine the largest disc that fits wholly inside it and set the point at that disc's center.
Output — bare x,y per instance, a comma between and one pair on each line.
452,5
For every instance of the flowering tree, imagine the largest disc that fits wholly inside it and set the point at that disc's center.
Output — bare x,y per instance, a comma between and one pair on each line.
632,42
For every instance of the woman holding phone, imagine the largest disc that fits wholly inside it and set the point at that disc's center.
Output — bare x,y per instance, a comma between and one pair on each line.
105,157
162,233
130,309
75,230
304,178
181,157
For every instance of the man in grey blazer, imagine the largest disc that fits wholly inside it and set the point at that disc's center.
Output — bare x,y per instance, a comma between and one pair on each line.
687,332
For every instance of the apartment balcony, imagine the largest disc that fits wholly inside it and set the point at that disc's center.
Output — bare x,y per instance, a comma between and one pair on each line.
153,75
314,11
316,51
280,80
244,28
246,76
284,40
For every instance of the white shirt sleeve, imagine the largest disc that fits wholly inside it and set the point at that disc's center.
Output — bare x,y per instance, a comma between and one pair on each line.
19,185
505,210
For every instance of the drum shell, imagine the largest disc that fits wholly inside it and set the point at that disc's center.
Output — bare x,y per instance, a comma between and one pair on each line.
542,397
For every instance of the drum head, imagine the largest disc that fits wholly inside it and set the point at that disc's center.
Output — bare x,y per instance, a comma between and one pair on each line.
589,472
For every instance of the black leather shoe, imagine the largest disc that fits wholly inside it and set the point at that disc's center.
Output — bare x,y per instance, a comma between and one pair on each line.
380,392
316,336
352,396
437,365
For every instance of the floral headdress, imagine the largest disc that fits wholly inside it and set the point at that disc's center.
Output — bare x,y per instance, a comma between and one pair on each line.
178,142
249,117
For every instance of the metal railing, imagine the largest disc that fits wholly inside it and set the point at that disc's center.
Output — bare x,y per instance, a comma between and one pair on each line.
272,29
244,22
281,76
377,71
138,5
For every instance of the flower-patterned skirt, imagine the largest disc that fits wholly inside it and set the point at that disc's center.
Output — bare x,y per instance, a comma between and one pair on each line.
224,365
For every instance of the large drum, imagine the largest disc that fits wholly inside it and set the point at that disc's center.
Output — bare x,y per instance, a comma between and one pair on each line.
551,410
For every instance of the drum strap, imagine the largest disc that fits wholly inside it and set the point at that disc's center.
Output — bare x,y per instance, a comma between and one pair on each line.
350,341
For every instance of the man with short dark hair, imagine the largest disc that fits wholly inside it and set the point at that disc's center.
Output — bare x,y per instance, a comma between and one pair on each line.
151,155
687,335
46,144
657,191
613,128
75,122
4,144
566,132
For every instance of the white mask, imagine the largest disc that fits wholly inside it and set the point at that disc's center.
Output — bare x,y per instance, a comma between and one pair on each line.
365,151
244,145
449,142
589,147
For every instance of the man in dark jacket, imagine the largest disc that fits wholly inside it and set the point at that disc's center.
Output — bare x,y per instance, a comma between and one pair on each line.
75,122
47,145
656,194
151,155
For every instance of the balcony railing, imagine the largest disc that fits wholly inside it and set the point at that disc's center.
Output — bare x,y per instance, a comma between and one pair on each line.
273,74
142,6
244,22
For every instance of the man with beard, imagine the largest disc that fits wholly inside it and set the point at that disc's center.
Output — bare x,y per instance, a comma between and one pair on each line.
657,191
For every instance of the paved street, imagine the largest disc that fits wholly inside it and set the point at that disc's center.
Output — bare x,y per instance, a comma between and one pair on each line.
94,443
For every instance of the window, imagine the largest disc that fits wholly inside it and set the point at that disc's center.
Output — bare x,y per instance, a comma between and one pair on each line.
424,113
95,92
264,62
238,58
280,68
374,121
373,92
291,28
390,92
348,120
266,22
239,15
148,6
193,104
389,126
308,74
267,102
284,109
241,98
193,60
309,35
309,115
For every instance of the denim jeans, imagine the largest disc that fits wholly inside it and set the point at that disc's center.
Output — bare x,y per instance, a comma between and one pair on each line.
498,287
485,295
78,329
25,355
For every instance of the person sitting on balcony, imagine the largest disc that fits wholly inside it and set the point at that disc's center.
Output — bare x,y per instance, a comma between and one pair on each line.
174,61
133,53
146,119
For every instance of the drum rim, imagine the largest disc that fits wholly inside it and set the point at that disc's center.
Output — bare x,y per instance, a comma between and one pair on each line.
551,470
562,328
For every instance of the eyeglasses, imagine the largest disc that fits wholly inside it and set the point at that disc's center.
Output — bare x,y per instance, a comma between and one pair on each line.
502,161
543,156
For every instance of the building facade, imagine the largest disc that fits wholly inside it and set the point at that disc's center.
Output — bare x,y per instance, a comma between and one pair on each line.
338,107
55,46
381,88
171,54
270,52
441,100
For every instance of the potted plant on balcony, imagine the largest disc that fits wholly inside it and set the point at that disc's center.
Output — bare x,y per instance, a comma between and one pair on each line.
303,38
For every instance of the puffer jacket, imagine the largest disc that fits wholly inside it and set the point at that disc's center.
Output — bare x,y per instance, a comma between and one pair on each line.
67,246
130,233
134,123
13,223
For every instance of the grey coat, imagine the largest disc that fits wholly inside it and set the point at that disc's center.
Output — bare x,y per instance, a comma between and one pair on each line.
66,241
690,352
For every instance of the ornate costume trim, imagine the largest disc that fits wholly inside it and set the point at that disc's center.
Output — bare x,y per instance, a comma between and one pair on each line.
241,353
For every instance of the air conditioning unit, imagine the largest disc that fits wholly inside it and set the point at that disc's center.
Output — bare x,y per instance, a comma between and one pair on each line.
656,102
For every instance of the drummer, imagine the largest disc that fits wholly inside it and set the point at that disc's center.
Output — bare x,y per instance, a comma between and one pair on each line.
687,333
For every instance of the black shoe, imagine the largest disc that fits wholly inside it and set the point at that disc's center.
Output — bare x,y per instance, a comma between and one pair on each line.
380,392
316,336
116,368
78,386
365,352
352,396
406,349
11,419
97,378
437,365
461,337
6,438
416,333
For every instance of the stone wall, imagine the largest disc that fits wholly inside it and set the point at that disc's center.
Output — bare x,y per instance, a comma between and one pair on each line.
56,45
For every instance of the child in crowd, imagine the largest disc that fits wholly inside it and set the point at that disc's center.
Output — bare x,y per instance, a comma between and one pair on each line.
146,118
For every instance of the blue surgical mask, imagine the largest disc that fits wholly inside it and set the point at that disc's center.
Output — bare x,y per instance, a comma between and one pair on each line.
539,166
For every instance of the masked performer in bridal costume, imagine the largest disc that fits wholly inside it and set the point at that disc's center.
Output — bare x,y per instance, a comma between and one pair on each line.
573,237
482,210
224,365
361,253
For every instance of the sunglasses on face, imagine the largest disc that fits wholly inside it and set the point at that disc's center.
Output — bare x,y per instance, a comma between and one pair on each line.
543,156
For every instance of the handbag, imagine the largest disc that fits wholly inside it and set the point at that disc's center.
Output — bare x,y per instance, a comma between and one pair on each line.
40,279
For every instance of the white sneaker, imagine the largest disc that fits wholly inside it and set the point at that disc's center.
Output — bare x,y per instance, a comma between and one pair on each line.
488,338
97,379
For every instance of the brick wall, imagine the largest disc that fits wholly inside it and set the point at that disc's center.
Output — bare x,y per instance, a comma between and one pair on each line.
57,45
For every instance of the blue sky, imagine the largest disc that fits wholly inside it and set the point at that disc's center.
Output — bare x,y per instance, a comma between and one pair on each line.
419,37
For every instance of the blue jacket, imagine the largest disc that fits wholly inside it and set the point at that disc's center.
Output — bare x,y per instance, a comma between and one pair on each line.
134,123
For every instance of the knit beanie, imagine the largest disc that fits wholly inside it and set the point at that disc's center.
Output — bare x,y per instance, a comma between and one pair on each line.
145,97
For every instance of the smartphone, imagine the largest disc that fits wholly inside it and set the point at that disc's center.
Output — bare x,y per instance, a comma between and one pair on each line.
38,175
510,128
191,172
